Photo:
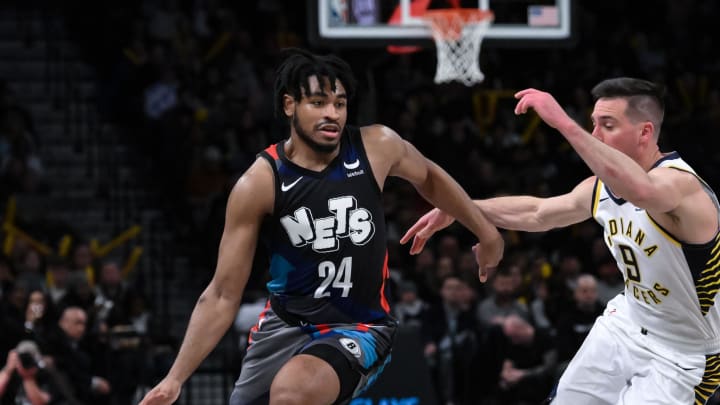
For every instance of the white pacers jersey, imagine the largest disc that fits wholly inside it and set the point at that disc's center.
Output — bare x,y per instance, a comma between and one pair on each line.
671,287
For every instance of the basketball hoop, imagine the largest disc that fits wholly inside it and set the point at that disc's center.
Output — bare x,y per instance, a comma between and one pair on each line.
458,34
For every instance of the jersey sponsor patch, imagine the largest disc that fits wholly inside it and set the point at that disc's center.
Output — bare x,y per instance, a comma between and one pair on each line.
351,346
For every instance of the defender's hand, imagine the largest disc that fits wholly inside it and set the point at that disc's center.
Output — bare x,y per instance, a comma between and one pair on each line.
544,105
424,228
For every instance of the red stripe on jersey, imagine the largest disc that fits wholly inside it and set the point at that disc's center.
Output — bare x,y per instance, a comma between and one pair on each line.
323,328
260,319
272,151
386,275
362,327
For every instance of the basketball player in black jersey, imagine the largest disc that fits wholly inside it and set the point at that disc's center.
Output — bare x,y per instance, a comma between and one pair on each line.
315,201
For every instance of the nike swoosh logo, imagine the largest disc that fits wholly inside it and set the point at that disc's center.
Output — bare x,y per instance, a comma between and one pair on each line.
352,166
686,368
639,209
285,188
603,199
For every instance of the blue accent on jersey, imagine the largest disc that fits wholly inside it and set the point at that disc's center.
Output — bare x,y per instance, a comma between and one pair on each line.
279,270
337,173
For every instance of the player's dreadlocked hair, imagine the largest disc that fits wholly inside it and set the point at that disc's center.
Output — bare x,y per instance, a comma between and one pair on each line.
299,65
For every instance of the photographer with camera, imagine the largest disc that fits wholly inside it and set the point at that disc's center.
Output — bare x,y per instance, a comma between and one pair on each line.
22,380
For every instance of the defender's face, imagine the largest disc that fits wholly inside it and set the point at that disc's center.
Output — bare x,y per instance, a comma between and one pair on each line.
614,128
319,117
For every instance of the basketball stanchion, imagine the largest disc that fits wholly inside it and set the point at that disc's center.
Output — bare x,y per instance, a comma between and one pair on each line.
458,35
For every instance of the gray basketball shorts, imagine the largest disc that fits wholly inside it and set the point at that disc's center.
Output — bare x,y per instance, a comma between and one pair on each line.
273,342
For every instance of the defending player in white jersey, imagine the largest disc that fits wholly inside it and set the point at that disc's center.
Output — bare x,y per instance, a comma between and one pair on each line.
659,341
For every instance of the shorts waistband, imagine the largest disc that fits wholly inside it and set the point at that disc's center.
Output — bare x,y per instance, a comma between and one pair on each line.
286,316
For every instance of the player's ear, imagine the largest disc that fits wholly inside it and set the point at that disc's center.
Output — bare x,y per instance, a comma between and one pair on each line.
648,131
288,105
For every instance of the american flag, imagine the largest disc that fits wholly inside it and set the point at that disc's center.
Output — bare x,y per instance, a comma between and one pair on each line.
543,16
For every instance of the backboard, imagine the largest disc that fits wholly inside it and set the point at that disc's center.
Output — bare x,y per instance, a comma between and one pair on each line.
369,23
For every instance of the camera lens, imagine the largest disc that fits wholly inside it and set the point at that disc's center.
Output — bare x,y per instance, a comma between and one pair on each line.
27,360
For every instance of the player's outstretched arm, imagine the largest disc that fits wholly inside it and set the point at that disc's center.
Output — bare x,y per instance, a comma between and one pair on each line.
625,177
534,214
215,310
393,156
520,213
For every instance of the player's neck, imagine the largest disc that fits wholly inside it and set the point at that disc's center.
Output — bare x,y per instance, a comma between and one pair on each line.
652,158
306,156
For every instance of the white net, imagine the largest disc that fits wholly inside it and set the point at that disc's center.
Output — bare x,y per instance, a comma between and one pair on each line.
458,34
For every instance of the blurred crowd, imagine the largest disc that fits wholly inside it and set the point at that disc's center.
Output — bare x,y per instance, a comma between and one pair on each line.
72,329
21,169
190,83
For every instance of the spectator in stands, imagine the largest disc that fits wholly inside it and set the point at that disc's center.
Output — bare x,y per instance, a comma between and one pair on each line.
537,306
57,271
561,284
502,301
610,280
422,273
449,332
12,316
40,316
574,324
23,380
465,264
448,246
111,295
80,294
529,362
31,270
410,309
82,261
74,360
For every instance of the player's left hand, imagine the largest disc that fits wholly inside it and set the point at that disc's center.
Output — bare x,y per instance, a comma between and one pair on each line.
544,105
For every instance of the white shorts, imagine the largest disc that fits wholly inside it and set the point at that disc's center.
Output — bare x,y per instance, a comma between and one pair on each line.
620,363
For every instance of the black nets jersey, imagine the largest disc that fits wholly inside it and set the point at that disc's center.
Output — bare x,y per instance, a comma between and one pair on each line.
326,238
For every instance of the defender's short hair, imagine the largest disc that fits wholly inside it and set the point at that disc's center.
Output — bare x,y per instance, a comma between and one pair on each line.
646,100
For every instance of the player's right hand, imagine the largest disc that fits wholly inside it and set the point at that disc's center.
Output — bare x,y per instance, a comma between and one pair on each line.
165,393
424,228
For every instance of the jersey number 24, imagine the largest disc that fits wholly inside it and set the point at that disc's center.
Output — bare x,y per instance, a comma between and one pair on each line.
340,277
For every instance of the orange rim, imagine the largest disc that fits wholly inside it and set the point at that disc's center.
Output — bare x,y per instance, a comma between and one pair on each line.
448,23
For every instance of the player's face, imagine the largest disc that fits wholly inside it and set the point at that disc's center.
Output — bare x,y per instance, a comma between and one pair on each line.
319,118
614,128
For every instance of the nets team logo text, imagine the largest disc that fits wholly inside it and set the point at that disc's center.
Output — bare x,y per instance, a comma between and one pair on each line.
348,221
